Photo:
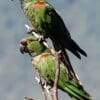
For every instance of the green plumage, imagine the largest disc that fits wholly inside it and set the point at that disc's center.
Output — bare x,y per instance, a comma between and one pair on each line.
47,69
46,63
47,22
35,47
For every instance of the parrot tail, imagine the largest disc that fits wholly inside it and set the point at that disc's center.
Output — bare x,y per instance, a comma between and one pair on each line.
68,43
65,59
75,49
76,91
73,87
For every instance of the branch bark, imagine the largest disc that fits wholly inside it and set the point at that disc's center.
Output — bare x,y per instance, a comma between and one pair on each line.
55,87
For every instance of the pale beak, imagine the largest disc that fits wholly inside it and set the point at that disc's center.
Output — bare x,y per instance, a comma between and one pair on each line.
22,48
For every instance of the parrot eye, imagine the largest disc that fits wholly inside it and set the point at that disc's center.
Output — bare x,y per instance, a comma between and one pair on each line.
23,42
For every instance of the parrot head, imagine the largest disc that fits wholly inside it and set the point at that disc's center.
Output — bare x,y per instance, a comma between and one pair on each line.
32,46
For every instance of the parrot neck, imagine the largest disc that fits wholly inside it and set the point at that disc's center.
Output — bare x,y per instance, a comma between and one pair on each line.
39,58
47,51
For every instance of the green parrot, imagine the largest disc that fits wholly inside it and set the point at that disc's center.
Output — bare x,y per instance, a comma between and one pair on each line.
47,22
45,63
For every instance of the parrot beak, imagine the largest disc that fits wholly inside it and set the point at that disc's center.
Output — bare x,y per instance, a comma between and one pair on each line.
22,48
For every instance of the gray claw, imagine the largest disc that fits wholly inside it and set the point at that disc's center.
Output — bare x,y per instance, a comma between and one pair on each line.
41,39
30,30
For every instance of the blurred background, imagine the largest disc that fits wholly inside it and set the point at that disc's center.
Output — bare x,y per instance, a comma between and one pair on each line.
17,76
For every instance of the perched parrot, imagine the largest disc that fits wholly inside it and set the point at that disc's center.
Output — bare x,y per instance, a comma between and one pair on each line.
48,23
45,63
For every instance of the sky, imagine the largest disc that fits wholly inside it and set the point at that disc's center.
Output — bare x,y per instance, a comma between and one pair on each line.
17,76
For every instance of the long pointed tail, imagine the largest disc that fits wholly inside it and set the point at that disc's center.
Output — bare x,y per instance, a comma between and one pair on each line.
76,91
75,49
74,88
65,59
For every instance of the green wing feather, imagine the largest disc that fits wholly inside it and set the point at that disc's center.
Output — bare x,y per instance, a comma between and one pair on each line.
46,64
47,68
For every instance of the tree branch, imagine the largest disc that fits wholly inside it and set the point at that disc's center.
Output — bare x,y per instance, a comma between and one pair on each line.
55,88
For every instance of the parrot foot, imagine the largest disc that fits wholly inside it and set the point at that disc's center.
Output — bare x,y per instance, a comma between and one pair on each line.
44,85
30,30
47,88
41,39
58,53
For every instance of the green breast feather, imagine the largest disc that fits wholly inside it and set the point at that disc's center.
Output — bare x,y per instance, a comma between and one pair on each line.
47,69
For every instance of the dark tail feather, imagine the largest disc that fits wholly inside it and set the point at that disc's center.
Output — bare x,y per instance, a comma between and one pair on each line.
76,53
65,59
75,49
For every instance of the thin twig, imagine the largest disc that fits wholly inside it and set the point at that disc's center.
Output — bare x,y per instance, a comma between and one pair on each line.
55,88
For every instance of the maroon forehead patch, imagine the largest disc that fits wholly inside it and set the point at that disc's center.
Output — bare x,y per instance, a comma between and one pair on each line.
39,4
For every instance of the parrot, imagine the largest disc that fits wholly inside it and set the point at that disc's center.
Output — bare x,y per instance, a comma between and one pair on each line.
46,63
46,22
